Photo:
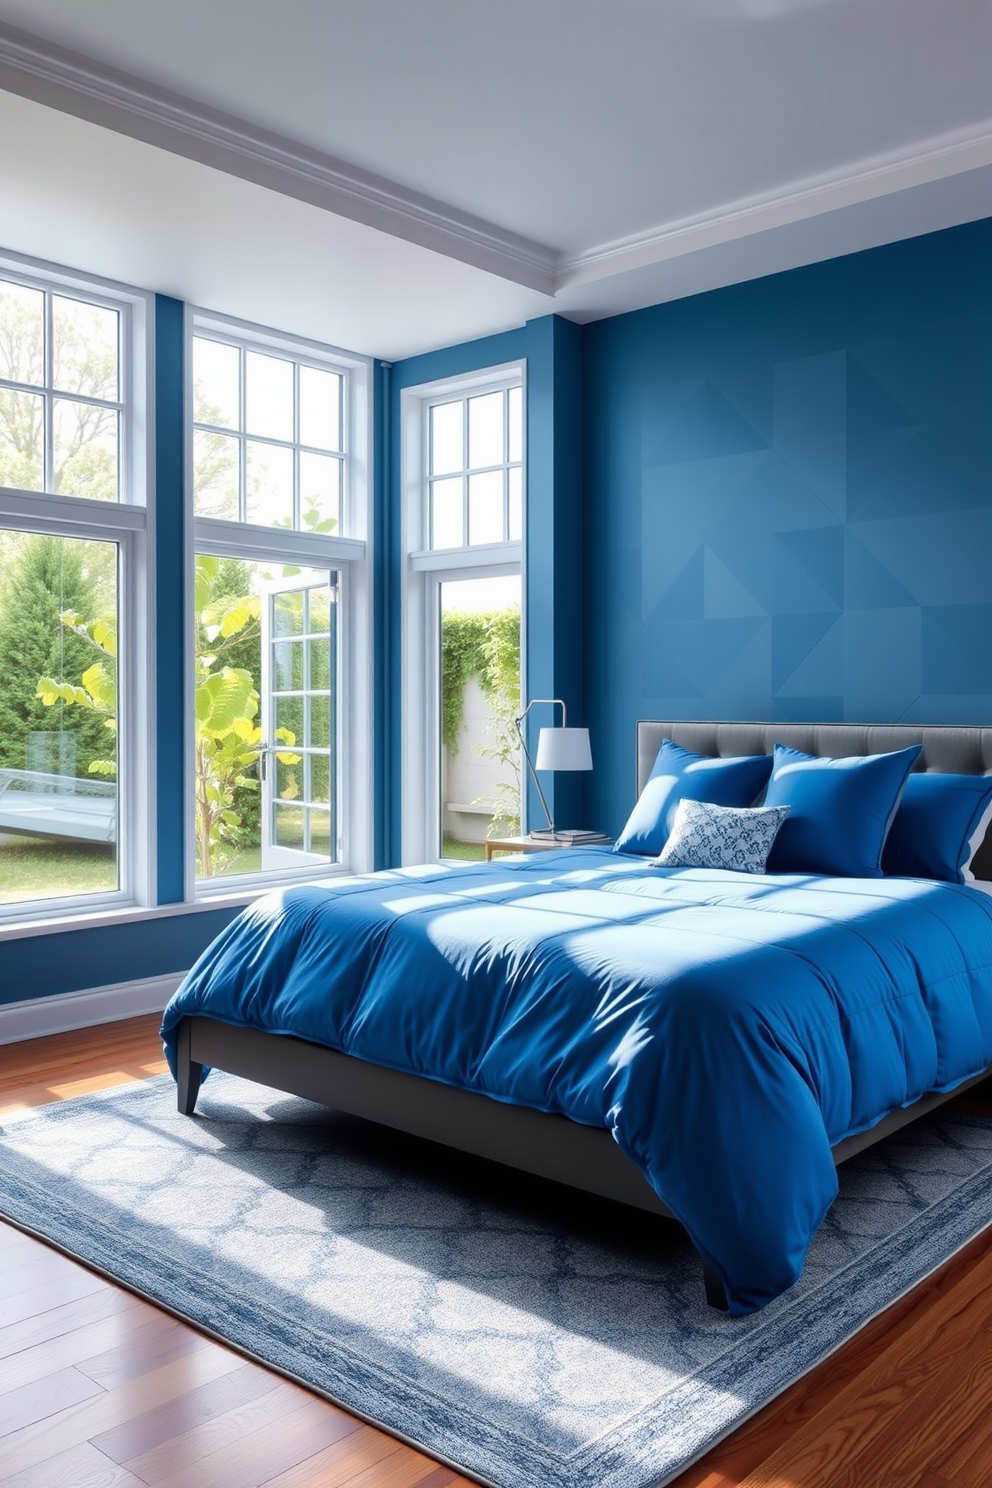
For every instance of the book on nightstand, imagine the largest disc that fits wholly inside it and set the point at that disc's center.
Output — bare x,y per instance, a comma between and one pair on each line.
574,836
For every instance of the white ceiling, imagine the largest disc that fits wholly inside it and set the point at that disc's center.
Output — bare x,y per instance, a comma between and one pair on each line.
395,175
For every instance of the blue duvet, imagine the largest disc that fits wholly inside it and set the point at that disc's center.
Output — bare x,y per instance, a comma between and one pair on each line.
727,1028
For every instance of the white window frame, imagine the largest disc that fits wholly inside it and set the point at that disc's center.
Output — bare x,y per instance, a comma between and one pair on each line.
347,552
424,570
301,356
130,524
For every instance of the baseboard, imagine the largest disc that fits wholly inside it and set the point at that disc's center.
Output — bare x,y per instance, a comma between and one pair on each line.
37,1016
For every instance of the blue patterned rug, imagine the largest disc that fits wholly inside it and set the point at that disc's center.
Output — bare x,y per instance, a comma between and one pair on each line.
522,1333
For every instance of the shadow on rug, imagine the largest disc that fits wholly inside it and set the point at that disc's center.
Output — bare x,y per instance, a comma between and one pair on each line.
518,1330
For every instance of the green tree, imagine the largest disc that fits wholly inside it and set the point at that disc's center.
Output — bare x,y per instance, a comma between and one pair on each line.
47,580
22,428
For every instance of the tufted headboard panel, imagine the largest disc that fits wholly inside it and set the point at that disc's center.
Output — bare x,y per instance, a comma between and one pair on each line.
955,750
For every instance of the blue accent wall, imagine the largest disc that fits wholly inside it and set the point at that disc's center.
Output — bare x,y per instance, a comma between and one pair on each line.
75,960
553,660
788,490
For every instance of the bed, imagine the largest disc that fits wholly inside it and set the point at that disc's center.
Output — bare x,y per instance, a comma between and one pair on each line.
705,1045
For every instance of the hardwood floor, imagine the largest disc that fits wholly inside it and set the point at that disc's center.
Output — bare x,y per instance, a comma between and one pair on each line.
99,1389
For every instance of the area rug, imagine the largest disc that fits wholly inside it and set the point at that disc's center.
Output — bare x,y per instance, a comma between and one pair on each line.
523,1333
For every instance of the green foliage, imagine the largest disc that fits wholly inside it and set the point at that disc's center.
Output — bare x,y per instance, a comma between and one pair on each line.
484,645
44,589
226,702
98,692
231,580
226,706
487,646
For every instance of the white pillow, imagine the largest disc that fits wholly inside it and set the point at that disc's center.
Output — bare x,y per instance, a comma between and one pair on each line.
708,836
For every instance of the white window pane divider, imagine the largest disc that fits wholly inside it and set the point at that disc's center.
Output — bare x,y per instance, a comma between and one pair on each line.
229,431
480,555
275,544
38,511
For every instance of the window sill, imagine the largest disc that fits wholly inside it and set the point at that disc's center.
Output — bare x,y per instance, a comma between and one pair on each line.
130,914
127,914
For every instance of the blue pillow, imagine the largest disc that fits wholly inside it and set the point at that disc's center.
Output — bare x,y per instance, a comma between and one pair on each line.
679,774
941,821
841,810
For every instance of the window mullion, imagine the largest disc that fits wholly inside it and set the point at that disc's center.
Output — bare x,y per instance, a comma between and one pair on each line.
242,439
506,464
48,475
466,463
124,471
297,502
427,512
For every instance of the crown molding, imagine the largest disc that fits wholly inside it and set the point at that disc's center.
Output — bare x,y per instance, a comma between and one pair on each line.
75,84
79,85
876,177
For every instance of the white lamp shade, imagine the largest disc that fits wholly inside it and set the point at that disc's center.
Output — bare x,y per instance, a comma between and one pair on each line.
563,749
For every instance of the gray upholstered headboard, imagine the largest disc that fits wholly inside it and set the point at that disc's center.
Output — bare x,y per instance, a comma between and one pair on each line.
960,751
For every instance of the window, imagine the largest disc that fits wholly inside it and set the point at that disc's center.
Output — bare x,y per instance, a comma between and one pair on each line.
475,469
268,437
463,521
73,679
267,694
280,772
61,412
59,703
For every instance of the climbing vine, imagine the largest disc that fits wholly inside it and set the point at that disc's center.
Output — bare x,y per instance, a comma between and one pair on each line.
486,646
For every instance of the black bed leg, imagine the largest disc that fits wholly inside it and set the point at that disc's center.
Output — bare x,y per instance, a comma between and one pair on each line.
188,1073
715,1293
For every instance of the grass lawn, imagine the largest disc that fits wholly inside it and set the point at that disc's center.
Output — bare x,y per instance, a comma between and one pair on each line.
247,860
467,852
40,868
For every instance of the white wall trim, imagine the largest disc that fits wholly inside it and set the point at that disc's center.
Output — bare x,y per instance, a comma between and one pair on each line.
79,85
866,180
38,1016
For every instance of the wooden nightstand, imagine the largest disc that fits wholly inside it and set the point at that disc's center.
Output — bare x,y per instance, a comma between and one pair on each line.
539,844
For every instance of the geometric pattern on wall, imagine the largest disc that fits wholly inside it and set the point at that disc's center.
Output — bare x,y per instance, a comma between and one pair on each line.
789,500
821,568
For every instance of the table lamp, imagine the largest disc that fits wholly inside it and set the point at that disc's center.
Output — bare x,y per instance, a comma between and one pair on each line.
561,748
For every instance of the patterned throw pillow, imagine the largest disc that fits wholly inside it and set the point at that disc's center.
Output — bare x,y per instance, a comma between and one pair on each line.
708,836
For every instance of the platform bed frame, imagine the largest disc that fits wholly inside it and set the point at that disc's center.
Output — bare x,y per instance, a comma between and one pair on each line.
550,1146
